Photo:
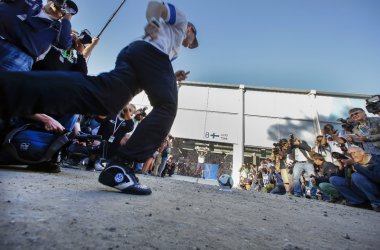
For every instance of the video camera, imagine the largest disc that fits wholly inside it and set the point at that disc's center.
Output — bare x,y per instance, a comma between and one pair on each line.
141,113
85,37
339,156
279,146
346,124
373,104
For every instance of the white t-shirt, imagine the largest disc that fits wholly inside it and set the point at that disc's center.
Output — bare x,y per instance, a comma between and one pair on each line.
172,31
299,156
333,144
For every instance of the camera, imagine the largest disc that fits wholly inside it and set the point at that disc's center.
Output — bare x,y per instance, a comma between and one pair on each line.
141,113
346,124
279,146
373,104
85,37
276,150
339,156
66,6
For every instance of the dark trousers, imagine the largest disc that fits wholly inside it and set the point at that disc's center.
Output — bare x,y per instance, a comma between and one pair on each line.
139,66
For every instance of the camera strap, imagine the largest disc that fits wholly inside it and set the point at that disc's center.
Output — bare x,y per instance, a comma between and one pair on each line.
115,128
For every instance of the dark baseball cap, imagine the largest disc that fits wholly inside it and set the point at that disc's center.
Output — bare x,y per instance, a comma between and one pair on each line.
195,42
67,5
71,7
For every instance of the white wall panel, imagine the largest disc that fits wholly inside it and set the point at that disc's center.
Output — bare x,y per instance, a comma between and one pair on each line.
221,127
274,104
209,113
141,100
330,108
263,131
189,124
192,97
224,100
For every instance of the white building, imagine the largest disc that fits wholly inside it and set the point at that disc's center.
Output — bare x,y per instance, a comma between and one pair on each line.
250,119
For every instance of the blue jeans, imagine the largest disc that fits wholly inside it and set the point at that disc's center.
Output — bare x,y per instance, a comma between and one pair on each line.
162,166
297,170
13,58
360,191
279,189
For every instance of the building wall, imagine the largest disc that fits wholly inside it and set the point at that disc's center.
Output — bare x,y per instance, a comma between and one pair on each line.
213,112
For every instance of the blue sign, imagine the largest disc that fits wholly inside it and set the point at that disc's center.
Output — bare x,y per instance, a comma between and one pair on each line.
210,171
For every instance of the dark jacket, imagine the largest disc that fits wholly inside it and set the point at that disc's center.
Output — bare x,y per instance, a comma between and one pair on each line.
33,35
63,60
372,170
328,170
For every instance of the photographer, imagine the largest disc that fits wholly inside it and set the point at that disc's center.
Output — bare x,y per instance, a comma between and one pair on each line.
112,130
366,133
331,142
326,170
373,105
298,153
279,159
169,167
65,60
29,28
365,181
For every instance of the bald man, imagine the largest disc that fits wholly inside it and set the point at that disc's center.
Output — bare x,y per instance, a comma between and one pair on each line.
365,180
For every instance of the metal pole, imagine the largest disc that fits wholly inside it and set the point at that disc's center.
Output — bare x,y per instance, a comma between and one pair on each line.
109,20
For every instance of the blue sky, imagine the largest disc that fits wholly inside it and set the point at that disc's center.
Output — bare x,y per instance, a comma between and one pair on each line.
328,45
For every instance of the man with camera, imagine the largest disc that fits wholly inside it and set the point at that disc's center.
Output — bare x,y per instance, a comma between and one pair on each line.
298,155
366,132
365,181
373,105
331,142
28,29
326,170
279,159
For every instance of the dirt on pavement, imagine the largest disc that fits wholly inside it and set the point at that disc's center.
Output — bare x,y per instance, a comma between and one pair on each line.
71,210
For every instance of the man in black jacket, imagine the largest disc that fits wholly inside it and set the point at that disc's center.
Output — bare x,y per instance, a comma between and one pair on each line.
29,28
365,181
327,169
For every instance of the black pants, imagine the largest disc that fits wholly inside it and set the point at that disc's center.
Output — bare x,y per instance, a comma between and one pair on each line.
139,66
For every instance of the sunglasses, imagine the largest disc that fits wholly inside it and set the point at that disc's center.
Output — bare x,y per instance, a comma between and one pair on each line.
355,114
127,110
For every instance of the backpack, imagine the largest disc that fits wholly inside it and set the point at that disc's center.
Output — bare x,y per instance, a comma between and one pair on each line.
26,144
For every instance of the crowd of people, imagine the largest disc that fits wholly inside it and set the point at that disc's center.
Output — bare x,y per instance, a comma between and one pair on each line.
343,166
44,81
43,65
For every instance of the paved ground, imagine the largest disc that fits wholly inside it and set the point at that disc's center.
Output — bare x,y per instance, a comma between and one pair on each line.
71,210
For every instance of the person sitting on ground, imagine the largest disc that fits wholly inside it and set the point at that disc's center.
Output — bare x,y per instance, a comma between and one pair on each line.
277,181
327,169
169,167
113,130
365,181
